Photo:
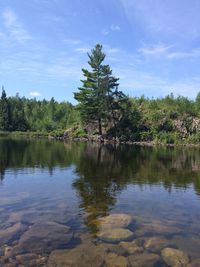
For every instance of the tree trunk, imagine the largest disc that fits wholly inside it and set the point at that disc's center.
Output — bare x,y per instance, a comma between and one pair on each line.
100,127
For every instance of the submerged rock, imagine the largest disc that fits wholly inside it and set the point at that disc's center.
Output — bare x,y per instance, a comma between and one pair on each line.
131,247
194,263
113,248
157,227
120,220
175,257
156,244
11,233
115,235
113,260
31,259
43,237
143,260
84,255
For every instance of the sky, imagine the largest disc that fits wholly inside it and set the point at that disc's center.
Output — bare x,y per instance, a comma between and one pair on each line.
153,46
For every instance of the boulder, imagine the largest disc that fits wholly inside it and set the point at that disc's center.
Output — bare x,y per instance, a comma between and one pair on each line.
157,228
83,255
174,257
31,259
115,235
156,244
194,263
143,260
119,220
131,247
113,260
113,248
11,233
43,237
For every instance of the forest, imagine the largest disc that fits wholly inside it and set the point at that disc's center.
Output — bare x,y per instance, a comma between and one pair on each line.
103,110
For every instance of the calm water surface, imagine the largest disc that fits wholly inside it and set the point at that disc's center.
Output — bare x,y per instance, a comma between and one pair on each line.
53,197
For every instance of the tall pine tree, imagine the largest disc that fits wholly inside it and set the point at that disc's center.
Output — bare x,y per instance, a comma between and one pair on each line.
4,112
99,90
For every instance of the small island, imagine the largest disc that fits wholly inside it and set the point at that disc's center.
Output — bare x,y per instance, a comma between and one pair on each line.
104,113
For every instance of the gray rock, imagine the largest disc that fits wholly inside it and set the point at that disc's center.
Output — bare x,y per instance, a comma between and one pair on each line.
43,237
194,263
119,220
175,257
115,235
113,260
156,244
131,247
84,255
31,259
11,233
143,260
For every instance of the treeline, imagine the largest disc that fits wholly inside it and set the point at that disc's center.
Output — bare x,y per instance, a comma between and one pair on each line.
105,112
22,114
166,120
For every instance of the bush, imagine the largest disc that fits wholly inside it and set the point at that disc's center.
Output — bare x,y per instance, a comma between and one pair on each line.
146,136
194,138
167,138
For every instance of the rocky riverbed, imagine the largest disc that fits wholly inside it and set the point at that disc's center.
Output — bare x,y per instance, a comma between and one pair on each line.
120,242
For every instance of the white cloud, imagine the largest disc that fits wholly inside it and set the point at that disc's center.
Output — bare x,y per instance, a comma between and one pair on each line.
34,94
105,32
115,27
181,55
111,50
82,50
166,52
14,26
112,28
154,50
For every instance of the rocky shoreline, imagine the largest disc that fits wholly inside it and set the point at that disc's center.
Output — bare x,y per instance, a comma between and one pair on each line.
99,139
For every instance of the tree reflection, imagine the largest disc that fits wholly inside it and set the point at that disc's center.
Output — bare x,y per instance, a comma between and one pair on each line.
103,171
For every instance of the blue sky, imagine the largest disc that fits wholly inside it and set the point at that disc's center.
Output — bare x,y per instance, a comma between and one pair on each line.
153,46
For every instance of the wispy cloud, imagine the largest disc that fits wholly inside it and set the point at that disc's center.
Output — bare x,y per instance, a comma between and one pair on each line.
105,32
154,50
14,26
111,50
182,55
82,50
34,94
115,27
71,41
166,18
168,52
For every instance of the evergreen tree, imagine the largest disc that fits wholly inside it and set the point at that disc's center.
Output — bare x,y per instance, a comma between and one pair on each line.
4,112
98,91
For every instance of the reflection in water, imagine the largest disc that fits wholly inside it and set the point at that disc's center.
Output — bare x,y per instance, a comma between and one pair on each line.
159,187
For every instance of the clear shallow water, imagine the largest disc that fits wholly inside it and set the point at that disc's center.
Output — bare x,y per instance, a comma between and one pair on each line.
53,196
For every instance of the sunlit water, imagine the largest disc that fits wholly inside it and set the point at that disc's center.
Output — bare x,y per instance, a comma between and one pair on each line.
53,196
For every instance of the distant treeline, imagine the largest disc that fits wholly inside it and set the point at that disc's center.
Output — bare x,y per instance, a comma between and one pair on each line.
22,114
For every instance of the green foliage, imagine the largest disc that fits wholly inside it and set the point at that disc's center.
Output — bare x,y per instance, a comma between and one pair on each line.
194,138
22,114
99,98
5,117
166,138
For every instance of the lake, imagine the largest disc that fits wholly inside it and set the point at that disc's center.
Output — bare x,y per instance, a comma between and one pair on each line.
80,204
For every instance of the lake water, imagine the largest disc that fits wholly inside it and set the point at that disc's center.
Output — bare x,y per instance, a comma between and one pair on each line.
80,204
